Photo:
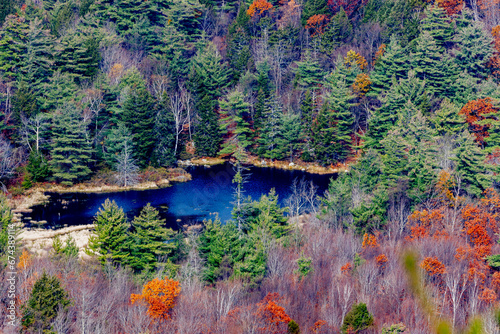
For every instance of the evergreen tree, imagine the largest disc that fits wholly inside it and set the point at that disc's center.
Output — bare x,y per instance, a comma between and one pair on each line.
263,94
234,112
314,7
339,100
37,167
290,134
70,149
165,153
218,246
438,25
209,78
338,31
469,164
309,74
324,136
149,241
6,7
306,121
59,90
238,43
46,300
138,115
37,60
115,142
392,63
432,63
357,319
447,121
6,229
474,50
12,45
25,103
270,132
108,241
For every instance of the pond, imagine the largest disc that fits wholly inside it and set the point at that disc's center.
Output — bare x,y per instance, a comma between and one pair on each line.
210,192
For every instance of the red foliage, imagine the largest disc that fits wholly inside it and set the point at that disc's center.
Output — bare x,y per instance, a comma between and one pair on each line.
425,223
346,268
488,296
451,7
474,112
350,6
274,315
495,280
479,224
317,24
317,326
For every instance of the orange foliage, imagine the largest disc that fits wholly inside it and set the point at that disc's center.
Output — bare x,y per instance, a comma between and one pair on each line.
451,7
444,187
25,260
160,296
353,58
495,32
317,23
433,266
424,223
369,240
259,6
474,112
488,296
380,52
346,268
273,314
381,260
495,280
361,84
318,325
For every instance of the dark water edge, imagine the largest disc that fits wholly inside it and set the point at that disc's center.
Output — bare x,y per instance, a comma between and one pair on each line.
209,193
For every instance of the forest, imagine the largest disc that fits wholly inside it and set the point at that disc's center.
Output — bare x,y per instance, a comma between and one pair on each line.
404,95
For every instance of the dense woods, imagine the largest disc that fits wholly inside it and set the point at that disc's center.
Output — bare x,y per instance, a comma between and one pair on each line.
404,95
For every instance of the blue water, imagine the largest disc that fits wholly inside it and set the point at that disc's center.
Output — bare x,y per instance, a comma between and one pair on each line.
209,193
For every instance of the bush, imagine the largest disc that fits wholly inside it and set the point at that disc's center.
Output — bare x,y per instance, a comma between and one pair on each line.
357,319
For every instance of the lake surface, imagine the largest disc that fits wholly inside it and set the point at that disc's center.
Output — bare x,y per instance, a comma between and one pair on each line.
209,193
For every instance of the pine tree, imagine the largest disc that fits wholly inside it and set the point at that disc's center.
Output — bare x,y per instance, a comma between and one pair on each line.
290,135
210,77
37,60
115,142
357,319
446,120
338,31
70,149
314,7
238,43
432,63
438,25
37,167
149,241
6,7
270,132
339,100
474,49
12,45
138,115
395,158
393,62
108,241
6,229
309,75
46,300
324,136
57,91
469,164
234,112
165,148
307,116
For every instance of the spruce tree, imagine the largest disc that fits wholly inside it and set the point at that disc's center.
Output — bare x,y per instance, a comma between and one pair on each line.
446,120
138,115
70,149
393,62
473,50
433,64
324,136
234,125
290,134
108,241
115,142
309,74
469,164
357,319
149,241
238,43
209,78
46,300
306,121
165,153
270,132
438,25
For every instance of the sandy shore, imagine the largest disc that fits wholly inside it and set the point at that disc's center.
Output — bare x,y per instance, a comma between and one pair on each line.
40,241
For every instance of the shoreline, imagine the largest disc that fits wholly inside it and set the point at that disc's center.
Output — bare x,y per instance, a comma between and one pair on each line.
308,167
